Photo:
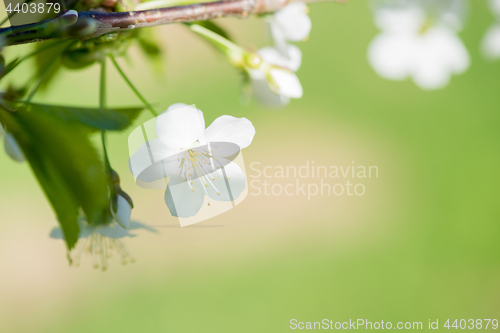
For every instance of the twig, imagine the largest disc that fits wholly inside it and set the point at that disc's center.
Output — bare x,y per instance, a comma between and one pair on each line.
120,21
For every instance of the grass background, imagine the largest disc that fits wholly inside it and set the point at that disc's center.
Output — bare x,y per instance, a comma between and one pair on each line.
421,244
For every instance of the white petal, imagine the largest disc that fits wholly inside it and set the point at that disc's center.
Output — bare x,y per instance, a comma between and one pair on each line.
234,176
432,76
57,233
495,6
226,150
292,60
263,93
445,45
145,162
180,126
113,231
294,22
230,129
182,201
85,230
440,54
280,41
391,55
399,20
123,212
12,148
288,83
491,43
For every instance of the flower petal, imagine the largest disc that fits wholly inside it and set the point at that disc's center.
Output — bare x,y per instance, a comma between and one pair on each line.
391,55
491,42
262,93
294,21
145,164
235,179
12,148
57,233
180,126
85,230
123,212
445,45
280,41
439,55
182,201
113,231
495,7
431,76
230,129
399,20
288,83
292,60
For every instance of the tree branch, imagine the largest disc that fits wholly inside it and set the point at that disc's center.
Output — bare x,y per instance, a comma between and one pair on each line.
98,23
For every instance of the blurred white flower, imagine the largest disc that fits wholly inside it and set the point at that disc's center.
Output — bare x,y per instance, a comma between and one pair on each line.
11,146
491,42
100,242
490,45
410,46
123,212
292,23
274,85
184,153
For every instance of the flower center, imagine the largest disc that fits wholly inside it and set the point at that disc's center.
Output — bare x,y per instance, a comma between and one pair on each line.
101,248
425,26
198,165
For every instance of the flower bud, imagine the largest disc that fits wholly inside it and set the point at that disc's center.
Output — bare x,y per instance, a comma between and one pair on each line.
252,60
12,148
123,212
84,27
69,17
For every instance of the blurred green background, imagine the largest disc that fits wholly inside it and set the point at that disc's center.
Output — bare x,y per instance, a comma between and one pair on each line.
422,243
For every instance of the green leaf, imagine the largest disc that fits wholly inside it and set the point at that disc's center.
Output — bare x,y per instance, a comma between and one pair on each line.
10,66
66,165
210,25
97,119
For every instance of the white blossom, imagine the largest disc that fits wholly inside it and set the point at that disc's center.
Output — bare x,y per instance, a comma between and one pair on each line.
101,242
409,45
184,153
490,44
275,82
290,24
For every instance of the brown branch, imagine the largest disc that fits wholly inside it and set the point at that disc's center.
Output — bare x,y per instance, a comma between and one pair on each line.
120,21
